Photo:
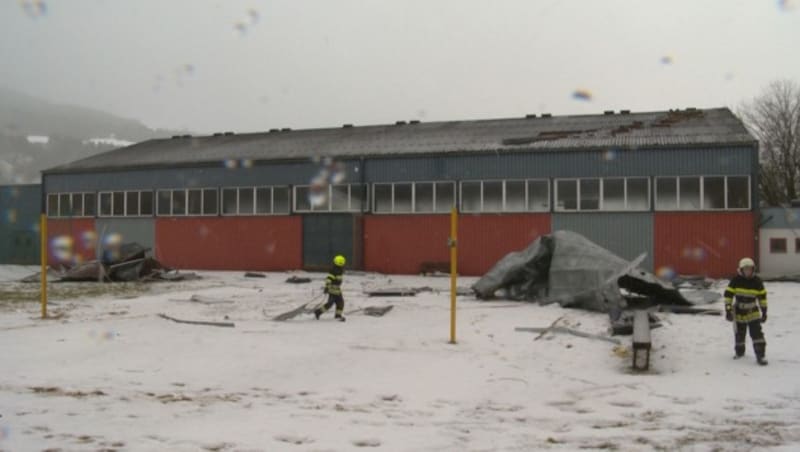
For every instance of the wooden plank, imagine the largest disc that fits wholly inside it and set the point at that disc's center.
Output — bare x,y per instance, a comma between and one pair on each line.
641,340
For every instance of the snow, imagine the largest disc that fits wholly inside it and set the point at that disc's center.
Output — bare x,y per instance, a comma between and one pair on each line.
38,139
110,374
111,141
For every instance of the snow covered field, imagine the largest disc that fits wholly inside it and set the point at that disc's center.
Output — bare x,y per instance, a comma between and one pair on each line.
109,374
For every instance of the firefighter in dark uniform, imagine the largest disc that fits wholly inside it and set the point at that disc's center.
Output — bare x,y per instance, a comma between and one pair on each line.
746,306
333,287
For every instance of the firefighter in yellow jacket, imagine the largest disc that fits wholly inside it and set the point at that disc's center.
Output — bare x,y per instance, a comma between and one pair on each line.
333,287
746,306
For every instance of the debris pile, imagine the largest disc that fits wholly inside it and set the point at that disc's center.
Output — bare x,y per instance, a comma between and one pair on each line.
128,262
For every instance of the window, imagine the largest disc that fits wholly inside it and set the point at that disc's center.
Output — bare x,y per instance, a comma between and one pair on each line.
714,192
566,195
413,197
329,198
266,200
589,194
666,193
614,194
70,205
703,193
180,202
777,246
738,192
505,195
637,193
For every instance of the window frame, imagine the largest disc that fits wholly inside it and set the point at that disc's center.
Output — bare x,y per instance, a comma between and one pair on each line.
185,191
354,205
435,190
703,206
72,196
254,189
504,204
601,207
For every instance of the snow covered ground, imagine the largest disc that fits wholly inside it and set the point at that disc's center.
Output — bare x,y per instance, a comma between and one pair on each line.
109,374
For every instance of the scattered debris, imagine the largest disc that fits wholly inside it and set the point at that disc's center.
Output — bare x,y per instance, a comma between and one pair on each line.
565,330
204,300
298,280
128,262
782,278
390,292
290,314
254,275
688,310
195,322
546,330
373,311
434,268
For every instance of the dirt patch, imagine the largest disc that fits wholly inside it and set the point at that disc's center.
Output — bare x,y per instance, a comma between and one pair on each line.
56,391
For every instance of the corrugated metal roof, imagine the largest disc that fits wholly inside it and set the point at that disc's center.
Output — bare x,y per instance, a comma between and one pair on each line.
678,128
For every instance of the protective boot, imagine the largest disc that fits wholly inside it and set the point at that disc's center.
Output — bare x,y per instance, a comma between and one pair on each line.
339,317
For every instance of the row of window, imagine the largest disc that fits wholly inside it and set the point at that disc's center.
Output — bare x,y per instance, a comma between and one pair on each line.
527,195
778,246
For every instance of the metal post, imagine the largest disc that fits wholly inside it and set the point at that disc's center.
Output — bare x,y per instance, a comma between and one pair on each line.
453,271
43,257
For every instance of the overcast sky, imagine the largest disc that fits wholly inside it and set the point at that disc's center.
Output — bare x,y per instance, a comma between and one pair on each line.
252,65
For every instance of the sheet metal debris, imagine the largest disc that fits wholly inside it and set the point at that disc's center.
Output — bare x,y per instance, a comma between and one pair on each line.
567,268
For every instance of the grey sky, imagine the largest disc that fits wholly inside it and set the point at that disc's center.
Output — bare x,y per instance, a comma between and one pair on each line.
300,64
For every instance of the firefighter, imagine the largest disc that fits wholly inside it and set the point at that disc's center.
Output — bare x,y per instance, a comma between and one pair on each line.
333,287
746,307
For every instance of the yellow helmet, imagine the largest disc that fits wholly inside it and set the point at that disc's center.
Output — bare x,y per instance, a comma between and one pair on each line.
339,260
746,262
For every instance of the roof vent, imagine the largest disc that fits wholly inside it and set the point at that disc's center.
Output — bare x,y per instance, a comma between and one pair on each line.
286,129
530,116
347,126
274,130
218,134
624,112
546,115
414,121
399,123
229,133
608,112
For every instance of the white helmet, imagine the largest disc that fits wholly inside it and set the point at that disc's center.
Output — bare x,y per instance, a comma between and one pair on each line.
746,262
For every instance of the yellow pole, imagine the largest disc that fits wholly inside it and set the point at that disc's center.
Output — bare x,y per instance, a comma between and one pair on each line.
43,254
453,271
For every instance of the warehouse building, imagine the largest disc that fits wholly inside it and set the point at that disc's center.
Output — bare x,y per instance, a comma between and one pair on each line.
679,185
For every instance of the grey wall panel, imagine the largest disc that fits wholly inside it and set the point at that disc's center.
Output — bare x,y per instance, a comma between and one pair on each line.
139,230
564,164
626,234
297,173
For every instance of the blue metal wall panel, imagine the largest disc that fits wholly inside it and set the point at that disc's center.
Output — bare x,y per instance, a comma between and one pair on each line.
672,162
625,234
20,207
279,173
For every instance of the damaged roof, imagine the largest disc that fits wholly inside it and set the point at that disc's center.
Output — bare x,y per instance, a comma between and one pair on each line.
674,128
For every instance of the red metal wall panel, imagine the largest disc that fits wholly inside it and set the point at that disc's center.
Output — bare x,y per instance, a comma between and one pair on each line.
402,243
704,243
230,243
71,241
485,239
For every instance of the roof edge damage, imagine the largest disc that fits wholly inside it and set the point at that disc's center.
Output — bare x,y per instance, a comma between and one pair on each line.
653,130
